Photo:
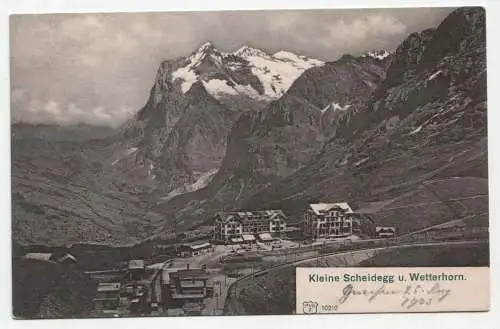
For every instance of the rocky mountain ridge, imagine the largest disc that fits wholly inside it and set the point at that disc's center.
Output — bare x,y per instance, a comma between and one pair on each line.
419,140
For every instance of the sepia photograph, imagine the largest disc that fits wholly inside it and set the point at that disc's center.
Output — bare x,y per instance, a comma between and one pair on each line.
170,164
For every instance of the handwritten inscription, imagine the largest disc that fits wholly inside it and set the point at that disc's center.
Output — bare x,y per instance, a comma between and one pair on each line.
418,296
412,295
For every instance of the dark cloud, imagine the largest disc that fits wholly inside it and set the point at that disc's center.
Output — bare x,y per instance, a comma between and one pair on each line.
98,68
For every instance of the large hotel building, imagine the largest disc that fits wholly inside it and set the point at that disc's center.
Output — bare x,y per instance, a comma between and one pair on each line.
243,226
328,220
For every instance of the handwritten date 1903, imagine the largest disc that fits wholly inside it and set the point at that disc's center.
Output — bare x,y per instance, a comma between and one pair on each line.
418,296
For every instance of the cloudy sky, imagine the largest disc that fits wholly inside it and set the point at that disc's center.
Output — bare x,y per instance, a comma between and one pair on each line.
99,68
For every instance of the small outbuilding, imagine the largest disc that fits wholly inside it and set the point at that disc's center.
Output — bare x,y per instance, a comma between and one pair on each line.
107,296
265,238
194,249
385,232
136,269
39,256
248,238
201,248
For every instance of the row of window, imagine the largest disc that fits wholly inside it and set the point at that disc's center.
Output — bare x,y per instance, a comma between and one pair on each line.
263,226
256,220
251,224
334,225
253,231
329,219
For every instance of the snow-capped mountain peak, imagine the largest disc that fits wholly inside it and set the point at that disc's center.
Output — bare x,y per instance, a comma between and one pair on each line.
187,74
206,45
204,50
247,71
247,51
378,54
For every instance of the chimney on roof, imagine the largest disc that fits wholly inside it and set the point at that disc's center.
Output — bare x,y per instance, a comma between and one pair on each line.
187,267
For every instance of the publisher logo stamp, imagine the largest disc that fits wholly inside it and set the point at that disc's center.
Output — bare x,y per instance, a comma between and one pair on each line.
310,307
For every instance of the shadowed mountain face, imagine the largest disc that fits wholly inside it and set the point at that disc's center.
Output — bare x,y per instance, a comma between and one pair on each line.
400,136
420,139
179,144
277,141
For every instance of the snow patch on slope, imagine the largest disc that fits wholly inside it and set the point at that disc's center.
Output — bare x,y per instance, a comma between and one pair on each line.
416,130
278,74
297,59
124,154
130,151
217,87
251,92
336,107
360,162
202,181
220,88
434,75
187,76
377,54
